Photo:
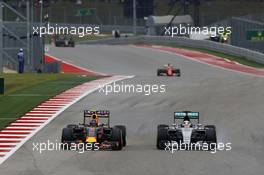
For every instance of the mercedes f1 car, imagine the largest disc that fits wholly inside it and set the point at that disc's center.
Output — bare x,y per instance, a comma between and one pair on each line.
168,70
64,41
95,130
186,133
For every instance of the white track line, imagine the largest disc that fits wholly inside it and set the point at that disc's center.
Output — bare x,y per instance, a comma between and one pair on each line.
48,106
14,131
34,114
46,109
36,118
31,121
26,124
7,144
9,139
41,112
4,149
20,128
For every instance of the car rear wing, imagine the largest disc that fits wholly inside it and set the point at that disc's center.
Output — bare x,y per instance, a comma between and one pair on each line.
186,115
96,114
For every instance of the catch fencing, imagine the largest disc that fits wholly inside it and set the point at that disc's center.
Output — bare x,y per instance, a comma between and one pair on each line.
240,29
16,34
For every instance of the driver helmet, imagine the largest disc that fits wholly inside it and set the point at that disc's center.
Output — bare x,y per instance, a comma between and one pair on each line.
186,124
93,123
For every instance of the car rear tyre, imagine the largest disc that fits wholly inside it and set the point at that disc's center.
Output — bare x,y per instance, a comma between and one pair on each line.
158,72
162,136
211,138
123,129
67,137
179,73
117,137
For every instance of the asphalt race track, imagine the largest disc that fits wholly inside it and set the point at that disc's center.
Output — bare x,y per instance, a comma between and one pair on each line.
232,101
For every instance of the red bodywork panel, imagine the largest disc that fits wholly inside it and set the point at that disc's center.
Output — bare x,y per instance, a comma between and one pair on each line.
169,71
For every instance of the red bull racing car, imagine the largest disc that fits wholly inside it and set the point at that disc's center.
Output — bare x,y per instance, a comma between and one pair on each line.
168,70
95,129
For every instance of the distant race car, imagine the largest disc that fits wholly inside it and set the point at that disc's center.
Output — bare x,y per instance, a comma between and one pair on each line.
64,41
94,130
186,132
168,70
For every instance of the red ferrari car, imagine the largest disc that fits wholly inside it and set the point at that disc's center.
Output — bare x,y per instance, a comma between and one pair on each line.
168,70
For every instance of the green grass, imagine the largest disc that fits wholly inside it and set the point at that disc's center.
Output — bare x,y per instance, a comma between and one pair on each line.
241,60
26,91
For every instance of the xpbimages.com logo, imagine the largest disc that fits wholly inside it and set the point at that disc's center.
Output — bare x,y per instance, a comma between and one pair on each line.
188,30
42,147
172,147
145,89
80,31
